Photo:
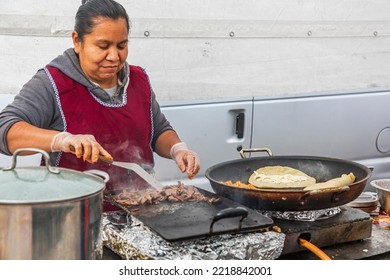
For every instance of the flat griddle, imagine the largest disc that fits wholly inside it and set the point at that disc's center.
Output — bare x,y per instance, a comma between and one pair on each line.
176,221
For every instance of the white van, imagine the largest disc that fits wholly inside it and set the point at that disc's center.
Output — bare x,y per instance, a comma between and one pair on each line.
296,77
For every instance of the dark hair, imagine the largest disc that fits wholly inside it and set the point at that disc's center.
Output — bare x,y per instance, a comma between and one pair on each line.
92,9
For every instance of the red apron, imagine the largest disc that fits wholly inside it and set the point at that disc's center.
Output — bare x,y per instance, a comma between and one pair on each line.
124,130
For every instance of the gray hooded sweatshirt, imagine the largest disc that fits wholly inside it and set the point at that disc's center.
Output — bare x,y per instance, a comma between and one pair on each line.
36,103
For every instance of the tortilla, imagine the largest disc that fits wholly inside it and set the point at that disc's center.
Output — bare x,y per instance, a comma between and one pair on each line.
280,177
344,180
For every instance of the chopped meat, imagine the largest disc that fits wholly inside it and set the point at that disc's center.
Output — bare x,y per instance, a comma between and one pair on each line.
173,193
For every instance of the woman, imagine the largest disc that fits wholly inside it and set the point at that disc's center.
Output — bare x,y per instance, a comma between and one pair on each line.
89,103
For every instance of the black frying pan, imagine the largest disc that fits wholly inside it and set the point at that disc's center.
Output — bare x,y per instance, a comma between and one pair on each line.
321,168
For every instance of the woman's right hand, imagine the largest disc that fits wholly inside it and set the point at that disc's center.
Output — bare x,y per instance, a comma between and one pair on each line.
82,145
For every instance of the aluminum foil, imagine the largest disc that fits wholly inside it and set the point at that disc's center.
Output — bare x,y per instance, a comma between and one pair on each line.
136,241
306,216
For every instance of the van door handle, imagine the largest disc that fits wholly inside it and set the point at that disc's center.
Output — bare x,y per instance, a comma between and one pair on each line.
240,121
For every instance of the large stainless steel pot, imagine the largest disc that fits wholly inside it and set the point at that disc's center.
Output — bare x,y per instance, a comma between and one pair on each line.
321,168
50,213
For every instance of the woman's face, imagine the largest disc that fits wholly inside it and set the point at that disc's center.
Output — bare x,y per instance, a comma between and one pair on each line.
103,52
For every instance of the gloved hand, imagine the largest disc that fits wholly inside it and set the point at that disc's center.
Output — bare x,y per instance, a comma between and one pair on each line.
186,159
82,145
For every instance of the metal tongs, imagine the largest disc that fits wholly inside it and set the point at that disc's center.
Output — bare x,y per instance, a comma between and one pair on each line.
137,169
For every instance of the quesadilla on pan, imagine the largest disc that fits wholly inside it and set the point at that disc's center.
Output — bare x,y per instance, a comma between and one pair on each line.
280,177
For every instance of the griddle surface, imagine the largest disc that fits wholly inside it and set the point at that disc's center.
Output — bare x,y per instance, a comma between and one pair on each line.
175,221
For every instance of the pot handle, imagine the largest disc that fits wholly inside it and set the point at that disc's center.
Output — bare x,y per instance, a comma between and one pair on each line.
45,156
229,213
98,173
243,151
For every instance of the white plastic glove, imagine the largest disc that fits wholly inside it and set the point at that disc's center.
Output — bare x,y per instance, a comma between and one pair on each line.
186,159
82,145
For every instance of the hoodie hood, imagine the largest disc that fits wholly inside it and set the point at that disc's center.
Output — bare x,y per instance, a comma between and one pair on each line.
69,64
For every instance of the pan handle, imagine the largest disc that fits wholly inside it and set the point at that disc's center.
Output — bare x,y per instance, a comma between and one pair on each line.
243,151
336,190
229,213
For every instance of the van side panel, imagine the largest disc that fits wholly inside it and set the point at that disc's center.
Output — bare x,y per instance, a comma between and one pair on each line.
351,126
210,130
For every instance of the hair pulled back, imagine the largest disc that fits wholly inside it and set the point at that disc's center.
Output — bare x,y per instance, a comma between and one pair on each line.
92,9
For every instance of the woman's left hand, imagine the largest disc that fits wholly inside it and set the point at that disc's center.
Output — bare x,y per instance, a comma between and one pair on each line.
186,159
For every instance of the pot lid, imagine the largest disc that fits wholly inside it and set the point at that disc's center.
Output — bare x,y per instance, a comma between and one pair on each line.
43,184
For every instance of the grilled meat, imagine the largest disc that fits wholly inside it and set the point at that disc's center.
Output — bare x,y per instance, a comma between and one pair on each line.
173,193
